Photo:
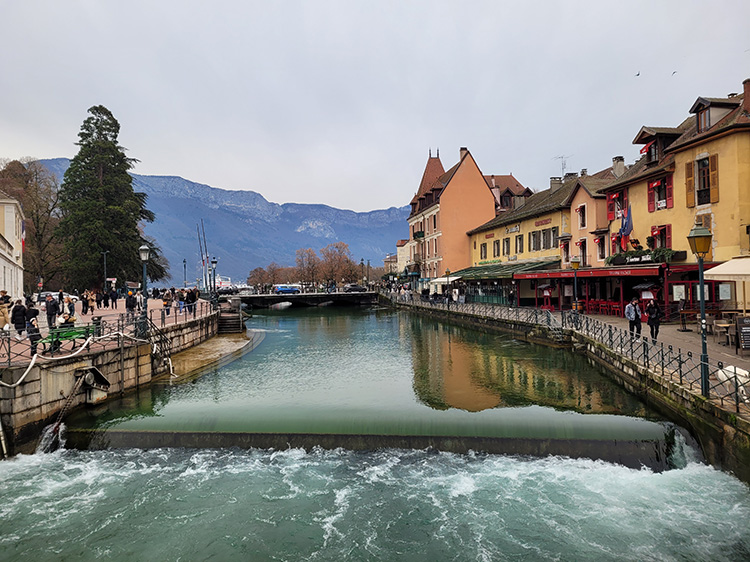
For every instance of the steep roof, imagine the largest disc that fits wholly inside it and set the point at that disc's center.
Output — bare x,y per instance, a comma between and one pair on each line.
432,171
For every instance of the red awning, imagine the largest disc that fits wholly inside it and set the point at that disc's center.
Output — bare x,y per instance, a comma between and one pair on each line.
594,272
644,150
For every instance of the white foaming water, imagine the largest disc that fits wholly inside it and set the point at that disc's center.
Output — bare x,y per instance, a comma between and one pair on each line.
390,504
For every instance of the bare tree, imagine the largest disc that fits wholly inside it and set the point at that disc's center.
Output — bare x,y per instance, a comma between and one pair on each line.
308,264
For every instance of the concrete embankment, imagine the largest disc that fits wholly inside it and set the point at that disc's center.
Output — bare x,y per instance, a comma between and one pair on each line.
722,431
33,395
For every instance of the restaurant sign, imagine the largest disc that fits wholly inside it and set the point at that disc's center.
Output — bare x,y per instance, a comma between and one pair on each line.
515,228
542,222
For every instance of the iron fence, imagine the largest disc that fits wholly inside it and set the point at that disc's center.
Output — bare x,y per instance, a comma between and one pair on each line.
730,385
99,333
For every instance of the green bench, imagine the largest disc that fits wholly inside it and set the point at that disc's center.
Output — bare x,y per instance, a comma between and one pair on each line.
57,336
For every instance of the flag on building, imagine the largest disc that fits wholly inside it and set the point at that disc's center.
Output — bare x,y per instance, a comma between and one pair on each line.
626,227
23,236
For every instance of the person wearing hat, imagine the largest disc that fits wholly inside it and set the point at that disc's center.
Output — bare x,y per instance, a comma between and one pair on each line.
130,303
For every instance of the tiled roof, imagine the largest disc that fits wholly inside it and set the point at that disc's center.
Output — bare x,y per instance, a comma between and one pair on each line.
736,118
506,269
536,204
503,182
649,132
402,243
432,171
435,191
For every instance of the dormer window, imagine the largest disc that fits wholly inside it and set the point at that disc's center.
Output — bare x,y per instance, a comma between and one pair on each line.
505,201
651,150
704,120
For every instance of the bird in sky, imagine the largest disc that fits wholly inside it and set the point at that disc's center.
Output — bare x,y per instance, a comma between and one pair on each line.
675,72
639,73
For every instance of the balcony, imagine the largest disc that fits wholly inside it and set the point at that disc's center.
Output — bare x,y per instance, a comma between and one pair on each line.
419,235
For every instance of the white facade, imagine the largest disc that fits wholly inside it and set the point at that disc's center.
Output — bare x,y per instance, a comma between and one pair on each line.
11,246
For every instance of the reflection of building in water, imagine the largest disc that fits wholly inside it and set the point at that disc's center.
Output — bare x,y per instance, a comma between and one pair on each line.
457,368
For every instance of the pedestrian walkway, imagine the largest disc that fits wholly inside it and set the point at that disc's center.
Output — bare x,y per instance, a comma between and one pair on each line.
669,334
114,321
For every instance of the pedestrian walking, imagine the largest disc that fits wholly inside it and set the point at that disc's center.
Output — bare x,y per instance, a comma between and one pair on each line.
130,304
52,308
105,298
167,301
18,319
633,314
113,298
85,303
34,335
98,300
654,315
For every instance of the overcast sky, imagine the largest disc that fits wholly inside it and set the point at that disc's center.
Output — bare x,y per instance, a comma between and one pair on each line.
338,102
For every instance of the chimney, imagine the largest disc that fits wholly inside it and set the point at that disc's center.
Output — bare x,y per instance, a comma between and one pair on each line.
555,183
493,180
746,101
570,176
618,166
584,172
462,152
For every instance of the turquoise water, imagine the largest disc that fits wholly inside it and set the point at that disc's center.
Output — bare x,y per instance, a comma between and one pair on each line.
366,371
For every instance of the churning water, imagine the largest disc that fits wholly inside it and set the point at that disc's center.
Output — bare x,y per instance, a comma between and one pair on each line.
374,373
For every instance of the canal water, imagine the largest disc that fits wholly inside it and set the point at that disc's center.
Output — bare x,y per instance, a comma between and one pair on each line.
374,374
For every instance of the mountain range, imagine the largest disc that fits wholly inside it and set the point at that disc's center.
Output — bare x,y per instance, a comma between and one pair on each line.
245,231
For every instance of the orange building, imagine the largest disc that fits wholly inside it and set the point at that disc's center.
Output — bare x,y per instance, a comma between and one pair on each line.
446,206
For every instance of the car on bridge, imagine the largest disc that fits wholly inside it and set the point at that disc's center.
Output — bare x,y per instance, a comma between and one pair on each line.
287,289
354,288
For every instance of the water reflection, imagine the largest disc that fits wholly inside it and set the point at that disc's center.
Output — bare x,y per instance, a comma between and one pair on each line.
461,368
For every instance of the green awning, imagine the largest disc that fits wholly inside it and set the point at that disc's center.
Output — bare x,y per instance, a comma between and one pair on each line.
504,270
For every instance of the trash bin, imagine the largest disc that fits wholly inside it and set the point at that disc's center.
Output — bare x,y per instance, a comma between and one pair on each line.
96,321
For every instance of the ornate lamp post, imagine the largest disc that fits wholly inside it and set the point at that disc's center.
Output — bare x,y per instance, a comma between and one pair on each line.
700,244
184,273
575,263
362,267
144,252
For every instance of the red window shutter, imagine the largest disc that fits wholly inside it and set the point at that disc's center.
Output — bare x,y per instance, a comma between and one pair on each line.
670,192
651,196
668,235
610,207
689,185
713,169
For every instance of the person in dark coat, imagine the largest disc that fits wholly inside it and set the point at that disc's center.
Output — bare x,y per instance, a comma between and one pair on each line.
52,309
34,335
130,303
18,318
113,298
654,314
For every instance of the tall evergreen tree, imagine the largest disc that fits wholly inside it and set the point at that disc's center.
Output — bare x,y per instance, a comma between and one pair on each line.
101,212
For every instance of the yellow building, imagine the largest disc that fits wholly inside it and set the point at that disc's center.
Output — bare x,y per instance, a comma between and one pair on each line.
699,170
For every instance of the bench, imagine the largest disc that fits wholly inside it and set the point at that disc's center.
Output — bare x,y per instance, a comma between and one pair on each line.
57,336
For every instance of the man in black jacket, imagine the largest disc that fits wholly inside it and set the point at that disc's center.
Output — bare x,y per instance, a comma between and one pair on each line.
52,309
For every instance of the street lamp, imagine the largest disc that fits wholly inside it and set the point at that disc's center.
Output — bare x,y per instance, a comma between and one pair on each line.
700,244
184,273
144,252
575,263
362,267
448,280
105,267
214,261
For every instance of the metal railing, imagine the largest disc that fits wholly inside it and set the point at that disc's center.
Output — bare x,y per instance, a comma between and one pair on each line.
728,384
103,333
522,314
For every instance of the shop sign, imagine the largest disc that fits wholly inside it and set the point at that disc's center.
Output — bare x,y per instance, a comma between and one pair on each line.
509,229
542,222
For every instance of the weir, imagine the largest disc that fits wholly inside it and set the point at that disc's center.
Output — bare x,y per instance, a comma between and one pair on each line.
366,380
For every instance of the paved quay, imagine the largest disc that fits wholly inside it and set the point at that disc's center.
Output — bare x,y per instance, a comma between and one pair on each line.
669,334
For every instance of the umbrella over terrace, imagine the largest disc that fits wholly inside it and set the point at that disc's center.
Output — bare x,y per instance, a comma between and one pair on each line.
736,269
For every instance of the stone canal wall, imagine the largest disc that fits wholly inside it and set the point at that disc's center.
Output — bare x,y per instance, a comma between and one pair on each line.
723,434
26,408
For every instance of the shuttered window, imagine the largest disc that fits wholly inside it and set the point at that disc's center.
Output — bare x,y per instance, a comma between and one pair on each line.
689,185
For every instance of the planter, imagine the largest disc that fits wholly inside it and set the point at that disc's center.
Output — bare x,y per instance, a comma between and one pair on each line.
619,260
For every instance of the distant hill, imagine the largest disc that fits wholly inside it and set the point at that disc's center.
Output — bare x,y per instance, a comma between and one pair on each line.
246,231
